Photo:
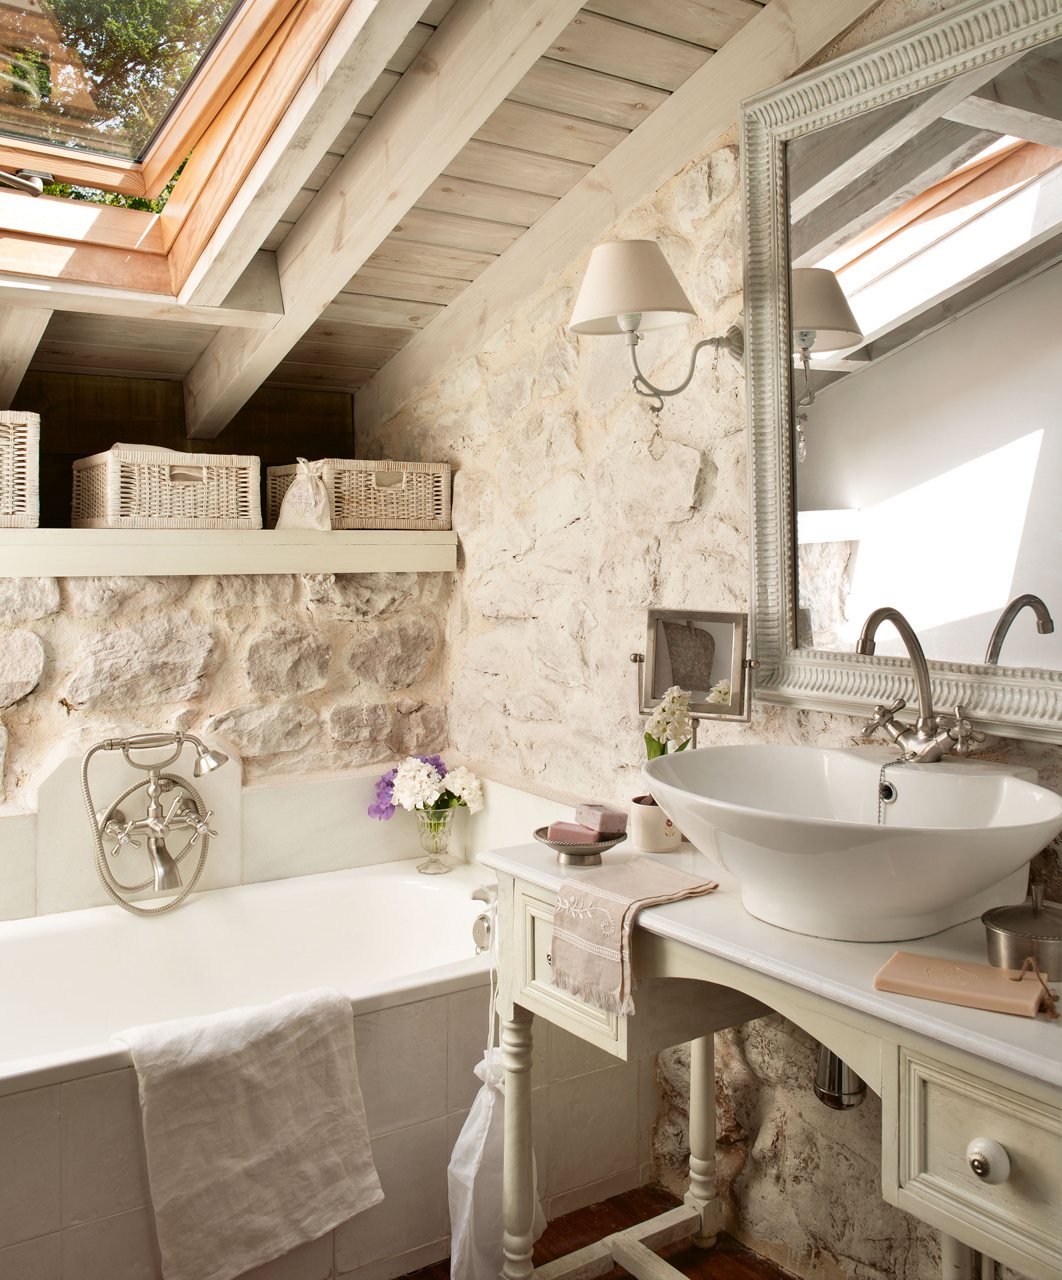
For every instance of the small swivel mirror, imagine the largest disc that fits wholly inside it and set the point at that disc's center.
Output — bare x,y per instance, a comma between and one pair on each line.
705,653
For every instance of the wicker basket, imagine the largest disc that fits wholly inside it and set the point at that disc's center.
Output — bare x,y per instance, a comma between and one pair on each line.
131,487
20,438
375,495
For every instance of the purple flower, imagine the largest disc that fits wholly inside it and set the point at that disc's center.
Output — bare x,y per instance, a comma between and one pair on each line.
436,763
384,807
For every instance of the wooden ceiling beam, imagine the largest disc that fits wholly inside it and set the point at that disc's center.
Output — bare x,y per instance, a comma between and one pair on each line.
479,52
1025,101
919,164
23,290
824,163
359,48
774,44
21,330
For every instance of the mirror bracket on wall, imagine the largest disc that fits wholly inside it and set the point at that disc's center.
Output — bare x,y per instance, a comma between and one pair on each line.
704,653
1021,701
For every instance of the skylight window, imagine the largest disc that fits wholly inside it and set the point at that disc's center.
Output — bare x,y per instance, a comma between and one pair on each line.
100,76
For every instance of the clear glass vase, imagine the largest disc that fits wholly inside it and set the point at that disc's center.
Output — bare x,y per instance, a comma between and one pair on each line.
433,830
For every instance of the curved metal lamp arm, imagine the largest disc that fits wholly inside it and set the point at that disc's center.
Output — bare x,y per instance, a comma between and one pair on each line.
733,341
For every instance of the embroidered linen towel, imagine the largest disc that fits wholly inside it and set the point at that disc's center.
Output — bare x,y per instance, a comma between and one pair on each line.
255,1132
594,922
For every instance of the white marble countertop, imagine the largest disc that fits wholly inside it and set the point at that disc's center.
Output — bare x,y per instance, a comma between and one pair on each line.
841,971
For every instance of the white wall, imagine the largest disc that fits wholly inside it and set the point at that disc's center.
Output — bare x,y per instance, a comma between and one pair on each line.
952,453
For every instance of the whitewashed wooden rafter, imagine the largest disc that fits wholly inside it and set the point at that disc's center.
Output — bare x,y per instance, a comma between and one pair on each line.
1019,702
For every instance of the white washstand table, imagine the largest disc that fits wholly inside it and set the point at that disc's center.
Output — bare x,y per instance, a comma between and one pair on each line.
945,1075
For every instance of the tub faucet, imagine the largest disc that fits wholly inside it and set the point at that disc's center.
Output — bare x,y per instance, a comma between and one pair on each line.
932,736
1044,623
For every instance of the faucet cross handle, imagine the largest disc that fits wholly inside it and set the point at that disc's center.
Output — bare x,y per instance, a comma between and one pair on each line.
201,824
882,715
965,734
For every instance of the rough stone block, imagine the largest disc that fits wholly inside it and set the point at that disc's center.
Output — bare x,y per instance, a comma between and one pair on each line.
418,729
360,595
396,654
267,731
360,724
26,599
105,597
21,666
288,658
162,660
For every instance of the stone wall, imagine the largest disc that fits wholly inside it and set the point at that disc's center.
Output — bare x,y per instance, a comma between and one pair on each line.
300,674
577,510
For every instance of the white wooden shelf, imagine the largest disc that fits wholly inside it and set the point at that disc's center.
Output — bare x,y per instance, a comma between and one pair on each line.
81,553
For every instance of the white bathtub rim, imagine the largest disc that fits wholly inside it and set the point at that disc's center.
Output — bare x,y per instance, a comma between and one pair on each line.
18,1075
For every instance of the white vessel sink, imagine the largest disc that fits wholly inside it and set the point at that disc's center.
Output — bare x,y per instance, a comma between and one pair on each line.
798,829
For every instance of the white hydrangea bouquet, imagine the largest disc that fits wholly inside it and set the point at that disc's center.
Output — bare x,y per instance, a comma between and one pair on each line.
425,786
670,725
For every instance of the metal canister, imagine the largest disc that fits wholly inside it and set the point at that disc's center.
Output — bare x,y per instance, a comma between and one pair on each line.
1029,929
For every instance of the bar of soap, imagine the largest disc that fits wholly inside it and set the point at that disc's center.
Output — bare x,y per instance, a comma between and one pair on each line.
572,833
602,818
976,986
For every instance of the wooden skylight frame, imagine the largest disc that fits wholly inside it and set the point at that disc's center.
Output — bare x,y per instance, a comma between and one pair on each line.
220,125
239,44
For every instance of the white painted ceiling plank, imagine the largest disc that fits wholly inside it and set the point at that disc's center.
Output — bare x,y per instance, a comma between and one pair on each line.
21,330
468,67
363,42
773,45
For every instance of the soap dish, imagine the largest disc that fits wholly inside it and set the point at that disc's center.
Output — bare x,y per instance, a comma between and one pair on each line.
578,855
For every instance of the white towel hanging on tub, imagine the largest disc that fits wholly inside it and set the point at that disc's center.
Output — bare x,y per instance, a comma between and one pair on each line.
255,1131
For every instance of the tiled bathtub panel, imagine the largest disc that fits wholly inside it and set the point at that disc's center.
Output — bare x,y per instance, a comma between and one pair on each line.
104,1165
402,1064
412,1164
30,1163
39,1259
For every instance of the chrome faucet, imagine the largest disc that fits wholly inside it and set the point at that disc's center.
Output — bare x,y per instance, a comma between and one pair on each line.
932,736
1044,623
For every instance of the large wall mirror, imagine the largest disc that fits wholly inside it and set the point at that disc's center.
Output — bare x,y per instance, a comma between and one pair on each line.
904,285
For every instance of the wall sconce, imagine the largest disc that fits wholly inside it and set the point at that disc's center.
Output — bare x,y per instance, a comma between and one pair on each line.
822,321
628,288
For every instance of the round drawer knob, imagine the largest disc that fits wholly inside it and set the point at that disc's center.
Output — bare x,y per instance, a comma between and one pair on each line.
988,1160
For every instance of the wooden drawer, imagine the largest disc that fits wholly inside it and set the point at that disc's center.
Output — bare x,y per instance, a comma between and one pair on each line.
942,1110
606,1030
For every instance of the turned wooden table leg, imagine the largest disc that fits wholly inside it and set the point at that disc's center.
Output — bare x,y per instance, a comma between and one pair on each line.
519,1181
702,1194
957,1261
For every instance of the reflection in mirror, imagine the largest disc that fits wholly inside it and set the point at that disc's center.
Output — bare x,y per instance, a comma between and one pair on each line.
701,652
932,479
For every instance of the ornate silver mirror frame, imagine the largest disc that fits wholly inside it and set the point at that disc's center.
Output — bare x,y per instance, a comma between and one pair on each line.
1016,702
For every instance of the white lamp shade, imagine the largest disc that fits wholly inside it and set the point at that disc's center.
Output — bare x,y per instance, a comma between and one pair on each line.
625,278
819,305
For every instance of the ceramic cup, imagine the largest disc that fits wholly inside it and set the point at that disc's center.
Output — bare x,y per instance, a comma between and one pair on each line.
651,830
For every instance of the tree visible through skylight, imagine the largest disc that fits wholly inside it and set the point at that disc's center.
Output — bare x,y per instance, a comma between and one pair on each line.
100,75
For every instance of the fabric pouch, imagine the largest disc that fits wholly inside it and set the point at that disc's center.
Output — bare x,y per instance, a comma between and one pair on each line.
306,504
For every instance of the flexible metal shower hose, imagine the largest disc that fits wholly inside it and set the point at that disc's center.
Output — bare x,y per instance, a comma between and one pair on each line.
114,888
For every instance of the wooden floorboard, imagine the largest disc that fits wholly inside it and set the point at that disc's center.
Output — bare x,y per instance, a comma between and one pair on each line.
727,1260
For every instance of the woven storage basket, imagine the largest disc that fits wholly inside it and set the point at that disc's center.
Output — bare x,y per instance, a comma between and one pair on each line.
131,488
20,437
375,495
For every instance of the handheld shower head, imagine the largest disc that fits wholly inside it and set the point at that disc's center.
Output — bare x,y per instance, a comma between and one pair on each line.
207,761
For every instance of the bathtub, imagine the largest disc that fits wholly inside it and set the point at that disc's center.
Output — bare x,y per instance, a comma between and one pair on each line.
381,934
74,1195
